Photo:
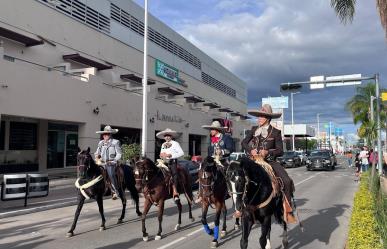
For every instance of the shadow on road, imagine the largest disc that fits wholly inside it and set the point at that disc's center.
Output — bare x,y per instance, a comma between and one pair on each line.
25,244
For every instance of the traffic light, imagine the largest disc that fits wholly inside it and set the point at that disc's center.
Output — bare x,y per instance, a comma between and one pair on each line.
290,87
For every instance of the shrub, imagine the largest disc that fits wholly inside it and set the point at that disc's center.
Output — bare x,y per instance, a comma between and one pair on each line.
363,230
130,151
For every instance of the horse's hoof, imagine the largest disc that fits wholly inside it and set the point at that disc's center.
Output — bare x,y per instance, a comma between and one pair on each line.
177,227
102,228
158,237
119,221
285,244
69,234
223,234
214,244
139,214
145,238
237,227
192,219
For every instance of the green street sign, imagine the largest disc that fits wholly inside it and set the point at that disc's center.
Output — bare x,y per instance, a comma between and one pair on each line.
166,71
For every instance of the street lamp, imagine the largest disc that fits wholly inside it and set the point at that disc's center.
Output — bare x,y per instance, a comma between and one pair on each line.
144,135
318,130
291,99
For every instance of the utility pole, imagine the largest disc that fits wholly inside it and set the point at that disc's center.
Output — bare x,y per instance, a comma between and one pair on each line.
144,135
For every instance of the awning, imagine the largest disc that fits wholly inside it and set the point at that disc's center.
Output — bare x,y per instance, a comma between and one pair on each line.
170,90
135,78
212,105
225,110
194,99
87,61
21,37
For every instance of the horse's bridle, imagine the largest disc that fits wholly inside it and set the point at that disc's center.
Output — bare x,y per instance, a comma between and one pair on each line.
145,178
207,194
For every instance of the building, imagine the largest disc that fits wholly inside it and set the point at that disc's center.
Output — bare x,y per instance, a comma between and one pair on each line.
67,68
300,132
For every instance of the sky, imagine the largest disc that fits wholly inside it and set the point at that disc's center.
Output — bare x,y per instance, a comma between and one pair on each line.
268,42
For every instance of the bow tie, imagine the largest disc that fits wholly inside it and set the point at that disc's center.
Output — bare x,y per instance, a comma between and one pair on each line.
263,131
215,140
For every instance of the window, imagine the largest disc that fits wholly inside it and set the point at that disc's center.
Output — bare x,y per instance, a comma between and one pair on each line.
23,136
2,135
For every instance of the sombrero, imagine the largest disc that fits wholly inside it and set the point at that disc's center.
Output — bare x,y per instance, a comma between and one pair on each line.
264,111
165,132
107,130
214,126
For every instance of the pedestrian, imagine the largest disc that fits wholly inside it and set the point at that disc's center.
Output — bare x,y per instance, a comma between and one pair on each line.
364,159
357,166
109,153
170,152
349,157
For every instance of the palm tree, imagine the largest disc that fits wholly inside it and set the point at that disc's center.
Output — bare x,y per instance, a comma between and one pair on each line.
345,10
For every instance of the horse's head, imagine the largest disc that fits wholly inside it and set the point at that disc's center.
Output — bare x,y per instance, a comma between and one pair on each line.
84,163
207,176
237,181
144,171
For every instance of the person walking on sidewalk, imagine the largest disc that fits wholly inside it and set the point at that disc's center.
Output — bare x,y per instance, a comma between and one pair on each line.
364,159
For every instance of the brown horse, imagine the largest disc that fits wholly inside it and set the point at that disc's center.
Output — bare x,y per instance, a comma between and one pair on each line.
213,189
156,187
92,183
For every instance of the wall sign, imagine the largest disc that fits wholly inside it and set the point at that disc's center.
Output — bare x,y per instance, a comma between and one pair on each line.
166,71
168,118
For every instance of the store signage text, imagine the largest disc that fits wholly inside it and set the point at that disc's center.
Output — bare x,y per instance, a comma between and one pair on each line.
168,118
167,72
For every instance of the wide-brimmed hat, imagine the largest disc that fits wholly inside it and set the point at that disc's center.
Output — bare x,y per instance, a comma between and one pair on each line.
165,132
264,111
107,130
215,125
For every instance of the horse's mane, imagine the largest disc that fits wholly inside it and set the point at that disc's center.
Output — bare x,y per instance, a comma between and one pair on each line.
254,171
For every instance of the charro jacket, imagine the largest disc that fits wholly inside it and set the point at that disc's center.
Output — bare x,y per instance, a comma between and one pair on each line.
225,144
109,151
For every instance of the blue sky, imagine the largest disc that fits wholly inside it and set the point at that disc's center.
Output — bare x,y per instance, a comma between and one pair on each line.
268,42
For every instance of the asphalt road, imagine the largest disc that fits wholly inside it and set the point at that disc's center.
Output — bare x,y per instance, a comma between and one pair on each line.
324,202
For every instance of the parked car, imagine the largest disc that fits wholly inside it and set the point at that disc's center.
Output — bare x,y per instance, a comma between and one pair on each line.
237,156
303,157
289,159
193,169
321,159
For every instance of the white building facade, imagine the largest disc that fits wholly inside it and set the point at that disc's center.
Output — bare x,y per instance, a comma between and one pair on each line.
67,68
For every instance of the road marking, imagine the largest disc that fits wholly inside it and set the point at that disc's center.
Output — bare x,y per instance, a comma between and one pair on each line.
307,179
41,202
172,243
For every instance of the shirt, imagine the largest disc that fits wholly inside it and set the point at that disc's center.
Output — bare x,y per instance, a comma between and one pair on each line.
109,150
172,148
364,156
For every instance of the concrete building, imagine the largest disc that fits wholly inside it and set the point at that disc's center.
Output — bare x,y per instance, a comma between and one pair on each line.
67,68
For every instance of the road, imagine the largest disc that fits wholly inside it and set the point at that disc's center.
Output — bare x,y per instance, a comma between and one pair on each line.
324,201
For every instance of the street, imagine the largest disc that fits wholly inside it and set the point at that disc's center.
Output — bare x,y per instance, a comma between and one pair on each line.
324,201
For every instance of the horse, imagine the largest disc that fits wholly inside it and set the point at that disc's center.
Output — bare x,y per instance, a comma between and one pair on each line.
156,187
252,194
92,183
213,188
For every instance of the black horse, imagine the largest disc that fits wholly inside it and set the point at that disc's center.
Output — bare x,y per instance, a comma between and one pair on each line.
90,173
252,194
213,189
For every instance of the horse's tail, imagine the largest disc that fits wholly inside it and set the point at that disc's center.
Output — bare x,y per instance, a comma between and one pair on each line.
130,182
187,185
278,209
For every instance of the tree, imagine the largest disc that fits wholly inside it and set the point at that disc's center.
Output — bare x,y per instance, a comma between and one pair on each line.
345,10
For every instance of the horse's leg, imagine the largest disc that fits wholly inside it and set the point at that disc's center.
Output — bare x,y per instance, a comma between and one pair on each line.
204,219
147,206
224,228
247,223
160,218
121,193
179,207
99,199
237,225
189,197
218,208
265,230
285,241
81,201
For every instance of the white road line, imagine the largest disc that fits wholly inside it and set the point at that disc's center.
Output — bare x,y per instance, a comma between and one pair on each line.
307,179
40,202
172,243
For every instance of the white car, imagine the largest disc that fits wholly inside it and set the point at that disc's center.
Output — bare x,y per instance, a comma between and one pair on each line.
237,156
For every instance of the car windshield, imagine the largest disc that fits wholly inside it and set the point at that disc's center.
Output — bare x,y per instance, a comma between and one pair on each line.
289,153
319,153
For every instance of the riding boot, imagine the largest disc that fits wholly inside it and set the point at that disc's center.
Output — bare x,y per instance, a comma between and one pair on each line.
174,188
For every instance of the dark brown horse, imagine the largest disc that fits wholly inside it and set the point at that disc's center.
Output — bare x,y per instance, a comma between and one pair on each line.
92,183
156,187
213,189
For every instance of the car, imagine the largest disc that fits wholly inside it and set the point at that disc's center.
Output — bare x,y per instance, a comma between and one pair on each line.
303,157
321,159
289,159
237,156
193,169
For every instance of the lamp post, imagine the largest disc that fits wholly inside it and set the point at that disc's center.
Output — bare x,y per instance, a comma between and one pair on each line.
291,99
144,135
318,130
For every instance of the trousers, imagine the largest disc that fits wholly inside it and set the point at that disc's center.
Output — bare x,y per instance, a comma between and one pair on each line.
111,170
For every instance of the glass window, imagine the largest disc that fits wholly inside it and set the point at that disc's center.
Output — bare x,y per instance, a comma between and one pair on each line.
2,135
23,136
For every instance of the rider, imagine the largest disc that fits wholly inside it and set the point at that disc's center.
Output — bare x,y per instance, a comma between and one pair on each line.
109,152
220,145
266,141
170,152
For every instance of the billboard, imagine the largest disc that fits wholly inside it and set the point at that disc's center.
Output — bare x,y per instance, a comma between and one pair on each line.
277,102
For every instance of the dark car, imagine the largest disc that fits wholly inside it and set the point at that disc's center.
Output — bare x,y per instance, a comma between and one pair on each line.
290,159
192,168
321,159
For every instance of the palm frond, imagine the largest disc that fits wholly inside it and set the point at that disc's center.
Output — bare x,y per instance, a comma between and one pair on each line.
382,7
345,9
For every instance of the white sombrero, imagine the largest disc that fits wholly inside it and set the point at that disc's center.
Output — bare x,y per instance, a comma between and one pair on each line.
107,130
264,111
165,132
215,126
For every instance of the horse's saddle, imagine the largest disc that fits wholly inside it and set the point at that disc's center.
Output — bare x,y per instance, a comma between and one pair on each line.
275,181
